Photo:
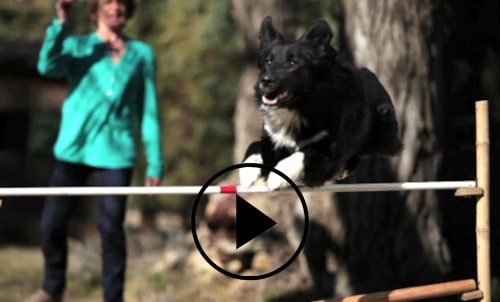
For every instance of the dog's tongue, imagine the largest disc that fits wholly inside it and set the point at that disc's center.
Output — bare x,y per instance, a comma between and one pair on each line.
266,100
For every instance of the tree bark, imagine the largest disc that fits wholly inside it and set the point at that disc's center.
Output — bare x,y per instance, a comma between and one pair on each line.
403,244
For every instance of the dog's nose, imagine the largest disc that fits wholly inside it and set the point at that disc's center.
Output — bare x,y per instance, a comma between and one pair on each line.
267,81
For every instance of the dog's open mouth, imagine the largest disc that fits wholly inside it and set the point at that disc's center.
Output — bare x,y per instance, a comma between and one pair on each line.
272,100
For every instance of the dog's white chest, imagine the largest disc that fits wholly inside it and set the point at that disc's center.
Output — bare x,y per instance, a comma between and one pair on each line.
282,126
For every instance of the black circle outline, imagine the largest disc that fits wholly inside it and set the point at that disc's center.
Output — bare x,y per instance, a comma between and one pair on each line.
255,277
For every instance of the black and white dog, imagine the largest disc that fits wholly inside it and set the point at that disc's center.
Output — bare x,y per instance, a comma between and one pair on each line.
320,114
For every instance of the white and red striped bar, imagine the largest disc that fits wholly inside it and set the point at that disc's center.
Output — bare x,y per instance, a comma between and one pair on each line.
193,190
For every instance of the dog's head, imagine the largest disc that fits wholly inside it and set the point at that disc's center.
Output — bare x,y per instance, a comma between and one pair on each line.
288,66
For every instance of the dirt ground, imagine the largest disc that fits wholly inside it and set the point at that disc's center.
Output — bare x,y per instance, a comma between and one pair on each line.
163,266
147,281
153,275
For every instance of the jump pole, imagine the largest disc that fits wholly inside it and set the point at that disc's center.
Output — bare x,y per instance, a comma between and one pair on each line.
482,205
193,190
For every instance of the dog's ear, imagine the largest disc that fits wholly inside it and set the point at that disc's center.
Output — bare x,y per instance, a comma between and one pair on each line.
268,33
319,34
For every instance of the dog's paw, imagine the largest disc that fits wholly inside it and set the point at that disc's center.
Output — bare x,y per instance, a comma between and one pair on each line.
343,174
249,175
348,168
292,166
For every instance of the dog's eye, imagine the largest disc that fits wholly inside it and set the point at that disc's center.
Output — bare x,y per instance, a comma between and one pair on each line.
292,63
268,61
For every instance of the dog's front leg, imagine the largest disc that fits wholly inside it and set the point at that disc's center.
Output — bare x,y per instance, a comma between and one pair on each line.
292,166
249,175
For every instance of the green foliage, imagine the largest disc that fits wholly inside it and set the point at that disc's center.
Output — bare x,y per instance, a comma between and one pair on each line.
27,19
18,20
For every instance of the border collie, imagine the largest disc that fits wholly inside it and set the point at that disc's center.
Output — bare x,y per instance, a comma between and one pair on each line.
320,114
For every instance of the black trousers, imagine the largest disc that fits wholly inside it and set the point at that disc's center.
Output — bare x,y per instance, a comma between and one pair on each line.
56,214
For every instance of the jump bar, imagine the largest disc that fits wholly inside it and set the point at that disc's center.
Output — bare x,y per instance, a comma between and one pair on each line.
193,190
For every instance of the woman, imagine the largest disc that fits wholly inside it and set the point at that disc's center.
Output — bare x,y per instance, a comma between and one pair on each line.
111,89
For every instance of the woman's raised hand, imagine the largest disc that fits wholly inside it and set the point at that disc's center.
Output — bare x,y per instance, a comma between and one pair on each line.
63,9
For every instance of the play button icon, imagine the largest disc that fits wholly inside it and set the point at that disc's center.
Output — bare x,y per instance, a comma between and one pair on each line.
250,222
245,229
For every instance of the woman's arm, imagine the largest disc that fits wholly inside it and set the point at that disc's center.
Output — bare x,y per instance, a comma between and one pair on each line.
150,128
52,61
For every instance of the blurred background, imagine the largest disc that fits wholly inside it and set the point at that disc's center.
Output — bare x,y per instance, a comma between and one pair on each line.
436,58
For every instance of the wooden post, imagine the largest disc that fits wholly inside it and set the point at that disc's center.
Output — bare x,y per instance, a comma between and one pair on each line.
415,293
482,206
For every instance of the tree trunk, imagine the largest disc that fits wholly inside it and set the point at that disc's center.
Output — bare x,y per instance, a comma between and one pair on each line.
397,240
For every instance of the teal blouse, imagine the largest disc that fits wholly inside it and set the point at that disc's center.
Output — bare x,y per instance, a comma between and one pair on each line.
107,101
